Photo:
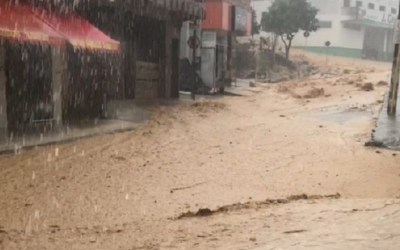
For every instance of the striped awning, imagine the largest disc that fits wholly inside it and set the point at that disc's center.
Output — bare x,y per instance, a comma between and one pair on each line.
78,31
19,23
25,23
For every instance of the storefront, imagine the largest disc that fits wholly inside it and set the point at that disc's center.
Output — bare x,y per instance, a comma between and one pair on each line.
223,23
37,50
149,32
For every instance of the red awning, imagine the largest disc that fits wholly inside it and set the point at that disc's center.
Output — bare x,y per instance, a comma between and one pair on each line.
18,22
79,32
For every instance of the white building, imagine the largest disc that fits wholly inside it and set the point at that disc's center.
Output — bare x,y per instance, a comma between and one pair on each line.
355,28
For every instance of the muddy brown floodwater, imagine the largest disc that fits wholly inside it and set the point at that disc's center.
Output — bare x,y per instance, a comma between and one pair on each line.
281,167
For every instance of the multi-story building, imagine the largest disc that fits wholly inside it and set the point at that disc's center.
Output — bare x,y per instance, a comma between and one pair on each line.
355,28
224,20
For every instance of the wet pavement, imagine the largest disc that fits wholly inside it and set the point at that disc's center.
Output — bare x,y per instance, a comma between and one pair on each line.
387,132
121,116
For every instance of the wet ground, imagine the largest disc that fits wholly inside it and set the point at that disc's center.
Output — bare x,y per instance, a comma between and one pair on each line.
282,166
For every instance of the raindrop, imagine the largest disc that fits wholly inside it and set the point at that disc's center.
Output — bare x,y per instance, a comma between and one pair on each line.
127,197
33,175
56,152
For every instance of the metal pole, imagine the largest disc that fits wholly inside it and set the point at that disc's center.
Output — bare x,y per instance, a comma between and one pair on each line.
394,82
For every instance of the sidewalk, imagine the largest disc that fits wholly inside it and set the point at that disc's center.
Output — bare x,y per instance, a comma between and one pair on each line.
122,116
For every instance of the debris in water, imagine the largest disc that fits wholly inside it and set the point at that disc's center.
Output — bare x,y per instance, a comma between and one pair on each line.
314,93
373,144
187,187
205,212
382,83
295,231
367,86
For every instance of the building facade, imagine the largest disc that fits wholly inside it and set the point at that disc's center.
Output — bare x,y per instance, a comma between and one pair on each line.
62,61
224,21
149,32
40,44
354,28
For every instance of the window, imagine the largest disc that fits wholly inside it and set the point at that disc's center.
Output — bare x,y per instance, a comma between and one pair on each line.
346,3
359,4
382,8
371,6
325,24
394,11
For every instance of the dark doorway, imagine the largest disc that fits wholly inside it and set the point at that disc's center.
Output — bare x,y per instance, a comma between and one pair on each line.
28,87
175,68
85,95
373,46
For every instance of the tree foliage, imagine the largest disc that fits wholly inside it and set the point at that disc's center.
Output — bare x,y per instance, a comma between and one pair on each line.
287,17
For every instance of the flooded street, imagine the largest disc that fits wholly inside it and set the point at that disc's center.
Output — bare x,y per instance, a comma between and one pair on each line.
275,168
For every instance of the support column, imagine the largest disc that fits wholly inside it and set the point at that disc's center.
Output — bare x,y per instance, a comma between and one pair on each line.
59,77
3,100
169,29
394,81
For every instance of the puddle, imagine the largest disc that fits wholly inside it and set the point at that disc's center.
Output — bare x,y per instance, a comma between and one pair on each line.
344,117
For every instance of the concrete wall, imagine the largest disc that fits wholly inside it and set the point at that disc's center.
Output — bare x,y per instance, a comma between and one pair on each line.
3,101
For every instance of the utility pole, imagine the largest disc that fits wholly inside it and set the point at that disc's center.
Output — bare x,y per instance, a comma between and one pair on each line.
394,82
